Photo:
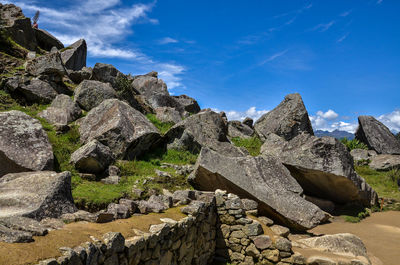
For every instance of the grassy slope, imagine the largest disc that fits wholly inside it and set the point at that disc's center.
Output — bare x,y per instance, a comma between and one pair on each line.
163,127
253,144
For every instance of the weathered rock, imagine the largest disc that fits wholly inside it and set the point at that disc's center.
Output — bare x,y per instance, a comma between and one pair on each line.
322,166
319,260
49,64
347,244
119,211
38,91
79,76
93,157
24,145
249,205
64,102
280,230
248,121
238,129
114,123
105,73
262,179
55,116
115,242
167,114
362,154
385,162
288,119
183,196
205,129
149,85
14,236
24,224
36,195
262,242
90,93
189,104
325,205
111,180
265,220
377,136
46,41
194,208
74,56
78,216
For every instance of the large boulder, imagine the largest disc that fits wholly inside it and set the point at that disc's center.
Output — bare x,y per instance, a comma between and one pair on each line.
90,93
49,64
238,129
385,162
36,194
74,56
189,104
106,73
24,145
114,123
64,102
78,76
362,154
288,119
377,136
204,129
47,41
322,166
263,179
54,116
37,91
93,157
167,114
149,85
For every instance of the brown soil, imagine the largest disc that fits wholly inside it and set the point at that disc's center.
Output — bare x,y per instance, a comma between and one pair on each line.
380,234
72,235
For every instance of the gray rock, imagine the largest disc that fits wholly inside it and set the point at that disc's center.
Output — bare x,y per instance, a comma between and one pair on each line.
322,166
115,242
347,244
132,205
24,145
160,100
288,119
238,129
24,224
183,196
55,116
204,129
149,85
126,131
111,180
49,64
319,260
93,157
119,211
283,244
326,205
362,154
248,121
189,104
74,56
78,216
167,114
64,102
36,195
265,220
385,162
78,76
377,136
262,242
280,230
46,41
105,73
38,91
253,229
90,93
146,207
14,236
194,208
262,179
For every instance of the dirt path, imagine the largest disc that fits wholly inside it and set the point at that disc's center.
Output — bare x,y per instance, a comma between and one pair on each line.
72,235
380,234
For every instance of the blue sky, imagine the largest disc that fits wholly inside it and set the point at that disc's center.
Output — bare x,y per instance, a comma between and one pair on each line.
243,57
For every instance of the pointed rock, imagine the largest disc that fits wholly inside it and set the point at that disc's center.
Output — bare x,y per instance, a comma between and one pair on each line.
46,41
74,56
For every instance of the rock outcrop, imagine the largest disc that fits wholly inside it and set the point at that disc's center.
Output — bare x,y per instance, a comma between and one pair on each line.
24,145
204,129
126,131
238,129
167,114
288,119
263,179
189,104
74,56
37,91
36,194
64,102
385,162
377,136
46,41
90,93
322,166
105,73
49,64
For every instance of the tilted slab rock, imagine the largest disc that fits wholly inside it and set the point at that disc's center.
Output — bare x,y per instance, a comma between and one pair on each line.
90,93
385,162
149,85
189,104
288,119
205,128
36,194
93,157
46,41
74,56
38,91
238,129
377,136
322,166
24,145
114,123
49,64
106,73
263,179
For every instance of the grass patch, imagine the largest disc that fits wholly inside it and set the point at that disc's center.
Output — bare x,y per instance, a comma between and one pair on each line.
253,144
353,144
353,213
381,181
66,48
163,127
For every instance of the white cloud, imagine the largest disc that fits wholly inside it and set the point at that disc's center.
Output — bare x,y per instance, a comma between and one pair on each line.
329,115
170,73
324,120
345,13
343,37
273,57
252,112
167,40
391,120
323,27
344,126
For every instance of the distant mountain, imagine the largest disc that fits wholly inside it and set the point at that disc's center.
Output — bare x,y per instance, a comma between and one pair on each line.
336,133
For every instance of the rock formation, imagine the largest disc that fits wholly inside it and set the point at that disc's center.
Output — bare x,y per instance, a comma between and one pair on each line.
74,56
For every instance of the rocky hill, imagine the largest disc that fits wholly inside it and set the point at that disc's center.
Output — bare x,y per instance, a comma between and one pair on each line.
94,144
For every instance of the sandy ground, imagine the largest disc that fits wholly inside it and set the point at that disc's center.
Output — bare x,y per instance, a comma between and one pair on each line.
72,235
380,234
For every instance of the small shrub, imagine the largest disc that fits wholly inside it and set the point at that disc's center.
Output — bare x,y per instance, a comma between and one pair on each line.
353,144
163,127
253,144
394,175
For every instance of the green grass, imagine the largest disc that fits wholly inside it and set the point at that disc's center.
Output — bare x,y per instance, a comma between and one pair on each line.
353,213
353,144
163,127
382,182
253,144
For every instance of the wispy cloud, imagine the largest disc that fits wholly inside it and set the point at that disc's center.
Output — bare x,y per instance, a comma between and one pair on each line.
167,40
171,74
342,38
296,11
274,56
323,26
391,120
252,112
345,13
